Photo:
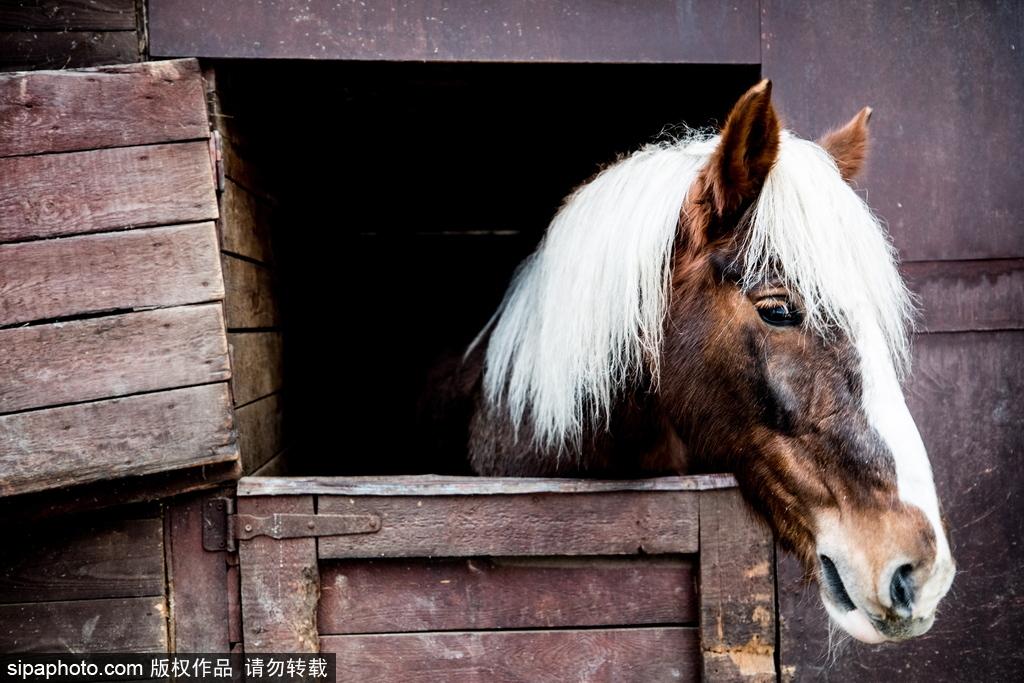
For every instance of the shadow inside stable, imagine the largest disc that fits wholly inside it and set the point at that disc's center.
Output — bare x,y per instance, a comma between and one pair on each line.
406,194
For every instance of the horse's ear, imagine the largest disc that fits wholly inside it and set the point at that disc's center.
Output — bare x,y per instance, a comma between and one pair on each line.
849,145
749,147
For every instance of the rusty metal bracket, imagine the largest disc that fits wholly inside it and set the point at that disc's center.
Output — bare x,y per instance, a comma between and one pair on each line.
216,531
282,525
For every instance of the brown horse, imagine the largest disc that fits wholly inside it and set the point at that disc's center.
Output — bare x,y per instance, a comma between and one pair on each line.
728,303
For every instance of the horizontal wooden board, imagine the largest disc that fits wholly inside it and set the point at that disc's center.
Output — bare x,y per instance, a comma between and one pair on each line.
616,523
20,51
246,222
388,596
640,655
111,356
105,189
68,15
110,271
959,296
116,106
138,435
111,558
116,625
249,301
260,434
434,485
485,30
256,365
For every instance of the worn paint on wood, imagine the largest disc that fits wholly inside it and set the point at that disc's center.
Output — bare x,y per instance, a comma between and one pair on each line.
256,365
111,271
133,436
106,189
614,523
640,655
249,295
958,296
110,356
68,15
108,625
260,435
21,51
117,106
389,596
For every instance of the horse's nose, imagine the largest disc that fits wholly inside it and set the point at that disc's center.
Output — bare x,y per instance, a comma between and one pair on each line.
901,591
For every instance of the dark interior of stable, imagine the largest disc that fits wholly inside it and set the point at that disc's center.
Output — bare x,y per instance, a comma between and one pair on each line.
406,195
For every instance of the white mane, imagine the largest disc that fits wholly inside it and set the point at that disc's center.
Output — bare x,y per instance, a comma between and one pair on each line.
585,312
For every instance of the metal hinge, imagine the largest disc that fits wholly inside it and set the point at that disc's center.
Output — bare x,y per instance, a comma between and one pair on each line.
217,158
222,528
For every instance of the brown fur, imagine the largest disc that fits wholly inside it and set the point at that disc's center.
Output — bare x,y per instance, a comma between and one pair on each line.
848,145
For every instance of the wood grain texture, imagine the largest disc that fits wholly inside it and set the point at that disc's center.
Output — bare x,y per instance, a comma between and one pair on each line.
960,296
117,106
112,356
68,15
134,436
640,655
20,51
737,591
109,558
246,223
461,595
260,433
278,466
415,30
113,625
435,485
249,300
615,523
280,583
256,365
197,581
111,271
106,189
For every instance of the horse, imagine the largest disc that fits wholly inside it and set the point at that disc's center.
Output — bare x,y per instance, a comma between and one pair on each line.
727,303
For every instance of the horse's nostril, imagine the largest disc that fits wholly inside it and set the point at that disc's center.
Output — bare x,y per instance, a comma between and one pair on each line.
834,583
901,590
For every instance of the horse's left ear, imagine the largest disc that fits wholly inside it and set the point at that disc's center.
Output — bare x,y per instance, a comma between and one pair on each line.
849,145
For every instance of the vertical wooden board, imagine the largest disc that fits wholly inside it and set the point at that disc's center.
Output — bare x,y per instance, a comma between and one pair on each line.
640,655
128,437
21,51
115,106
943,169
72,560
392,596
198,587
68,15
960,296
280,583
112,271
619,523
105,189
737,591
115,625
256,365
260,433
112,356
246,222
249,301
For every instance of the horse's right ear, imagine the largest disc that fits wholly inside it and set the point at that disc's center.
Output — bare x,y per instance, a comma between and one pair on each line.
749,146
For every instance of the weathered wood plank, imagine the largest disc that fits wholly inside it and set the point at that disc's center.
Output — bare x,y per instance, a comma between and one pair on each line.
642,655
249,301
959,296
68,15
197,582
614,523
106,189
280,583
109,558
737,591
277,466
260,435
112,356
110,271
114,625
256,365
245,221
21,50
461,595
116,106
434,485
138,435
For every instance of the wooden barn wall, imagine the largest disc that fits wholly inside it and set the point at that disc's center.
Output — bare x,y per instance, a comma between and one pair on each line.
945,81
65,34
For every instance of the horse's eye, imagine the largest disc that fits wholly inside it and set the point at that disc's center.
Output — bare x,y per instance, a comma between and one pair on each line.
779,314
